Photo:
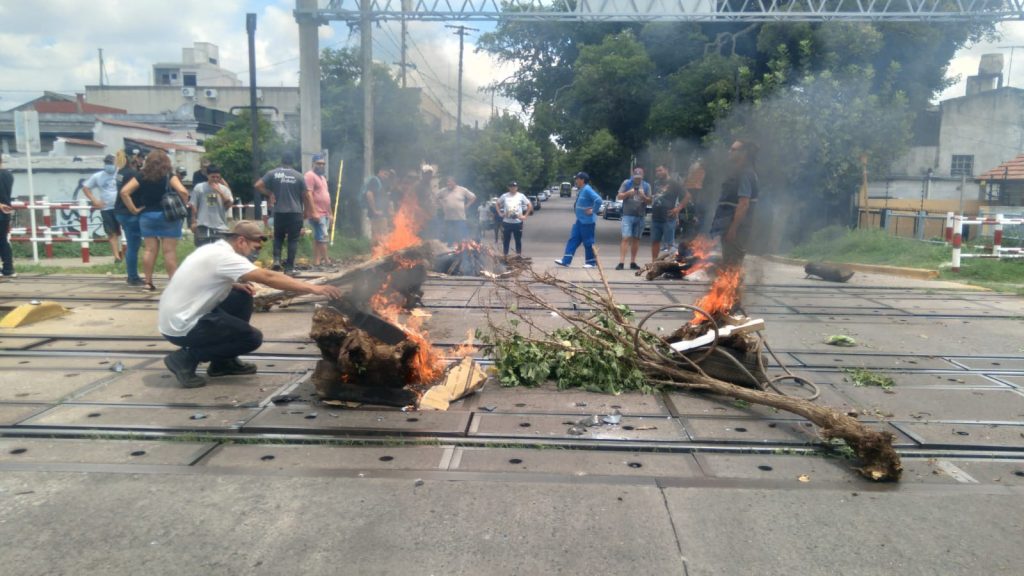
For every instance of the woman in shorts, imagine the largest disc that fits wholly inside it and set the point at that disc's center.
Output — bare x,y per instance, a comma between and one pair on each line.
159,235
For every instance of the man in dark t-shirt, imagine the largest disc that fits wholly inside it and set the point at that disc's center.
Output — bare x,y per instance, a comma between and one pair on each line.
129,222
285,189
669,199
6,185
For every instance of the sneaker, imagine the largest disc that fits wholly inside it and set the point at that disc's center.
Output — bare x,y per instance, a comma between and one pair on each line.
560,263
181,364
634,266
231,367
590,265
291,272
619,266
136,282
276,267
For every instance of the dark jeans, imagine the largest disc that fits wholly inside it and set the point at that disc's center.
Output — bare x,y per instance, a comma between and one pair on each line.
287,225
133,240
5,247
580,234
224,333
509,231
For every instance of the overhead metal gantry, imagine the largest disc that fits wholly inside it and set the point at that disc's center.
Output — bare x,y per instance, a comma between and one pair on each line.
673,10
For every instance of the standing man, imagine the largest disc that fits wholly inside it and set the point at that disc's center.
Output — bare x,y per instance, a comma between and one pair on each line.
6,186
586,207
286,191
104,184
130,222
201,175
318,209
736,203
635,195
375,199
206,307
210,202
454,200
669,199
514,207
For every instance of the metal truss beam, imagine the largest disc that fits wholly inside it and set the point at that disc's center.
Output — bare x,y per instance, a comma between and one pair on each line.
675,10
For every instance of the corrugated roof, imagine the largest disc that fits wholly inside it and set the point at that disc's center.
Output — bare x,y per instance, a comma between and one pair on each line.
167,146
1010,170
138,125
81,142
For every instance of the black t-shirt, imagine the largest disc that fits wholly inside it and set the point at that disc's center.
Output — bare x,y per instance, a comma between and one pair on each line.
198,177
124,176
149,194
666,195
6,185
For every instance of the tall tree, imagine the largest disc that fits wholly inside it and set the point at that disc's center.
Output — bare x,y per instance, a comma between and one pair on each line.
231,149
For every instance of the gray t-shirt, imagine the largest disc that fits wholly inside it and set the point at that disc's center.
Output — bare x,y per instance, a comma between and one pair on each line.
635,205
288,187
209,205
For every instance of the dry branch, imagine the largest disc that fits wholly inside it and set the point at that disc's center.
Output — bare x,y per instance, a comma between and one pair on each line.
660,366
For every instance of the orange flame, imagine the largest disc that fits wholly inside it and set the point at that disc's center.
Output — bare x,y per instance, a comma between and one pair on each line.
700,249
720,300
406,229
466,348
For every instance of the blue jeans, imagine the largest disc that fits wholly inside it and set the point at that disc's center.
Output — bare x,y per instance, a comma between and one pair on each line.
580,234
632,226
663,232
133,239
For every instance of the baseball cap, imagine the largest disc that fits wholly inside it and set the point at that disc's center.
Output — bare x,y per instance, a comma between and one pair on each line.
513,183
108,159
583,176
248,230
318,158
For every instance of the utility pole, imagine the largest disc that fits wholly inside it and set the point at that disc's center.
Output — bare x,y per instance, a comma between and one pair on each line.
366,49
406,6
250,29
461,32
102,71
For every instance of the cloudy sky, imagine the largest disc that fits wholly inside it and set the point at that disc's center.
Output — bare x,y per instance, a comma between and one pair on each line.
52,45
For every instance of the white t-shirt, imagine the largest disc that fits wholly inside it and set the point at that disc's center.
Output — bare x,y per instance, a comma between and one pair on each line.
514,206
202,282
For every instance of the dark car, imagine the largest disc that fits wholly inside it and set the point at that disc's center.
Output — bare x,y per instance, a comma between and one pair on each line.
535,200
613,210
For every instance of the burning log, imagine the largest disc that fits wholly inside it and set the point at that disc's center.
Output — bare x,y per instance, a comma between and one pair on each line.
689,263
470,259
406,269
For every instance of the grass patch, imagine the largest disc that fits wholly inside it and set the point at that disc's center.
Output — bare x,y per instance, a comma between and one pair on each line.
875,246
862,377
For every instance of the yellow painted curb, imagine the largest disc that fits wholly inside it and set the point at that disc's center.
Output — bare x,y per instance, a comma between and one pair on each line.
919,273
31,313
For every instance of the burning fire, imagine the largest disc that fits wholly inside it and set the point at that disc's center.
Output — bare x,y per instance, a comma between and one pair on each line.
406,230
466,348
427,366
721,298
699,251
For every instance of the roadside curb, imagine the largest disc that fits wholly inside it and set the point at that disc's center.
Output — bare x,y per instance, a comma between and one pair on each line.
917,273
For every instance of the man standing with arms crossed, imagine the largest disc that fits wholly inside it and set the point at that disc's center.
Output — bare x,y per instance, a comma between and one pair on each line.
635,195
454,200
286,191
104,183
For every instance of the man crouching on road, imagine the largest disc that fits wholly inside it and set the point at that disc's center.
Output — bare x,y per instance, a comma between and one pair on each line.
206,307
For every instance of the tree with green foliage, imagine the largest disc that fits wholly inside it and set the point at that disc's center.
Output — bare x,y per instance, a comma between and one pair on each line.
503,151
231,149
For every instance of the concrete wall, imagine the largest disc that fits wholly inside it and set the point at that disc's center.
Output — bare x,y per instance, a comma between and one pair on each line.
989,126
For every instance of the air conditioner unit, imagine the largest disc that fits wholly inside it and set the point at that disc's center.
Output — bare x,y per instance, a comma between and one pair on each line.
188,92
210,93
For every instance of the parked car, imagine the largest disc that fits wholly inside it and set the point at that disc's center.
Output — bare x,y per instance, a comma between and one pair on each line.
565,190
535,201
613,210
543,195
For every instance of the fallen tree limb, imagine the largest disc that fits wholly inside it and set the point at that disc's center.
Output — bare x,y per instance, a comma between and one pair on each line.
605,340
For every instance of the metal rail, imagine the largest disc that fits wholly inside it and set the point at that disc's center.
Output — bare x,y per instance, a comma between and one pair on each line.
672,10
